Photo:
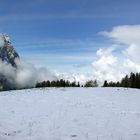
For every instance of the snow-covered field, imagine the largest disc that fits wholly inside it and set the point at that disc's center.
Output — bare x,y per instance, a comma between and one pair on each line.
70,114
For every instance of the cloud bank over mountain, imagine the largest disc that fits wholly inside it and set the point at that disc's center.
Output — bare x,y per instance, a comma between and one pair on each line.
25,75
15,72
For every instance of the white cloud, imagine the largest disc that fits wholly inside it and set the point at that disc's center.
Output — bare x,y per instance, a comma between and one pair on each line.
25,75
133,52
127,34
111,66
105,63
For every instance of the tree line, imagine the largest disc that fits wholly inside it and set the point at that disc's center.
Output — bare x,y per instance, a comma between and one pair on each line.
132,81
58,83
66,83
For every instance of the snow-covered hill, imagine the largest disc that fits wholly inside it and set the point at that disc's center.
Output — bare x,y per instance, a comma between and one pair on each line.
70,114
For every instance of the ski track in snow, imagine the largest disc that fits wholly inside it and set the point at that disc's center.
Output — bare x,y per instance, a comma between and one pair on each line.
70,114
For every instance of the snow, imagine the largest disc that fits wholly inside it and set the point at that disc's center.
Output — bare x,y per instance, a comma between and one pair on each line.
4,37
70,114
1,41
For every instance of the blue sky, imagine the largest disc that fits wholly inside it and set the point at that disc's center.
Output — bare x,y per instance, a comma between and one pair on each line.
63,35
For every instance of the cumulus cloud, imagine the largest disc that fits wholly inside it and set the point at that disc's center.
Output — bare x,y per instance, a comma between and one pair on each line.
105,64
108,66
128,35
133,52
111,66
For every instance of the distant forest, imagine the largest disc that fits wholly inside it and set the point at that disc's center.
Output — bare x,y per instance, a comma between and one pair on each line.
63,83
58,83
132,81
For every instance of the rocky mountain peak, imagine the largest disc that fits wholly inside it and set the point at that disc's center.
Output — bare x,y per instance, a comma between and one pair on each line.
7,52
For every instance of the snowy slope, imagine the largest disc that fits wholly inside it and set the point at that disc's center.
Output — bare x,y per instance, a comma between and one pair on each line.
70,114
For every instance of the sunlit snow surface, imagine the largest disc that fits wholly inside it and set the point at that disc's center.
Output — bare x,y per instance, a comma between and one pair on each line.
70,114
